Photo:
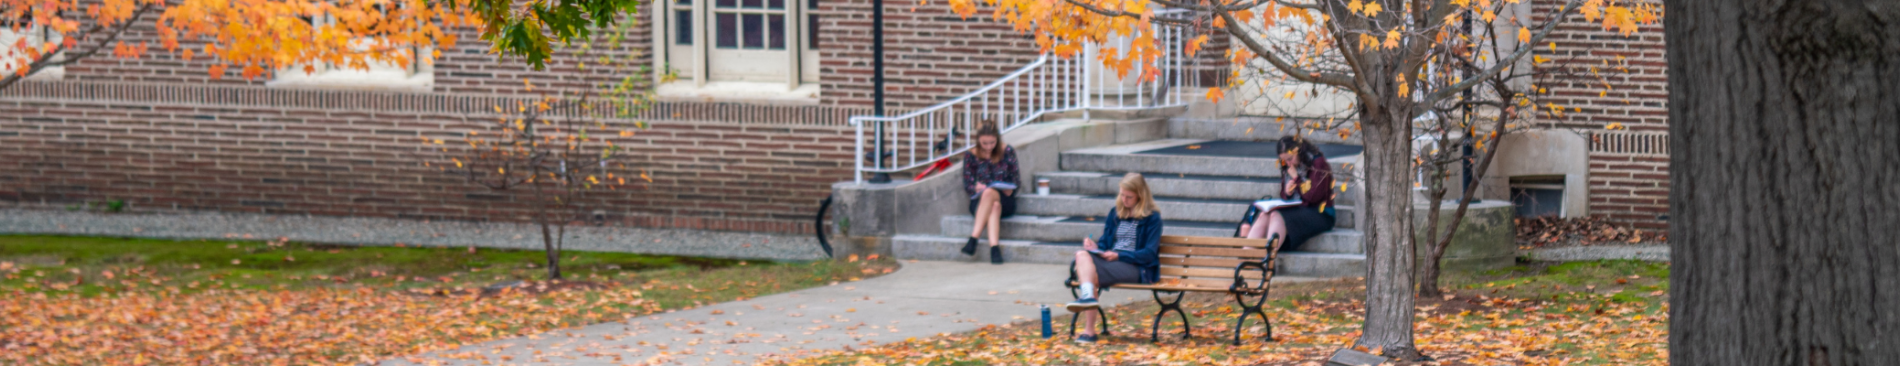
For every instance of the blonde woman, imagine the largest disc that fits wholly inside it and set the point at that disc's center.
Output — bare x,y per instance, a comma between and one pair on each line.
990,177
1128,253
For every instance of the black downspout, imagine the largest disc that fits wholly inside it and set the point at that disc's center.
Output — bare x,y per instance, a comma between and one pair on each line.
877,86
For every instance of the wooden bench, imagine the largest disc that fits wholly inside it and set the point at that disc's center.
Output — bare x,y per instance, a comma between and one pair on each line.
1242,267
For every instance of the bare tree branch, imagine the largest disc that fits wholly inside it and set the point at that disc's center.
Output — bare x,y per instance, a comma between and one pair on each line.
1503,62
1293,71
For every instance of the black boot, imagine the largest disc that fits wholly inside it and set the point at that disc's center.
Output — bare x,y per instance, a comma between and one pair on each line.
969,247
996,254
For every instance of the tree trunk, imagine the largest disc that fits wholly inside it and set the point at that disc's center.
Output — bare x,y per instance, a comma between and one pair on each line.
1785,138
554,257
1388,234
1435,253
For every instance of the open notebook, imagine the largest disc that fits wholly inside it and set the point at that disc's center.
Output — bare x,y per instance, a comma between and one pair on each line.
997,185
1270,205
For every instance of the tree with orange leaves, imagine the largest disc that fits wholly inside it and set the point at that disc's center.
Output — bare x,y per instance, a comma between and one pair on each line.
1399,62
260,37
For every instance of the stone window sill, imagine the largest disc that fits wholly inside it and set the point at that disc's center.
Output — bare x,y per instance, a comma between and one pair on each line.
739,92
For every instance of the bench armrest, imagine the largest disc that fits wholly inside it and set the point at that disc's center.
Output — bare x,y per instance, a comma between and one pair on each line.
1265,266
1240,283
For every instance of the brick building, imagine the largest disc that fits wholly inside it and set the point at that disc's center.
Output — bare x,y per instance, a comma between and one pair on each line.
749,137
1629,166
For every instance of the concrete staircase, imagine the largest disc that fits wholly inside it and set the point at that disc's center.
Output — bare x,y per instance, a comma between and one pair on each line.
1202,187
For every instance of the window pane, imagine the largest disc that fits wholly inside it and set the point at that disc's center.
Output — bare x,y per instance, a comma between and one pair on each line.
728,30
683,2
811,31
774,4
727,3
811,4
754,3
754,31
778,30
683,30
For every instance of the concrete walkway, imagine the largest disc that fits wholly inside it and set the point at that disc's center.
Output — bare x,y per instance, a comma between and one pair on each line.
923,299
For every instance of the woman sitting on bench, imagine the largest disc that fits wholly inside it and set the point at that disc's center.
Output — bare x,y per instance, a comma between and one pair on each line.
1131,235
1304,175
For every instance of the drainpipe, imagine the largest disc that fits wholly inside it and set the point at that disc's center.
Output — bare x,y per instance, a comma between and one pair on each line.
877,86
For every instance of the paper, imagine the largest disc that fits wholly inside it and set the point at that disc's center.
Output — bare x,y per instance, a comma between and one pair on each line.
999,186
1270,205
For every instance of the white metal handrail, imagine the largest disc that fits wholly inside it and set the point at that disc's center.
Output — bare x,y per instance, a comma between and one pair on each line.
1047,85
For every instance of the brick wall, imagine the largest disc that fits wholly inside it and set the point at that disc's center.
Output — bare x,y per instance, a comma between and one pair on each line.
468,68
162,134
202,148
1629,168
931,54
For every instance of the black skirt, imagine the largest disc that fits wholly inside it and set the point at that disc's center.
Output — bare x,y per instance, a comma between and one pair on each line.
1111,273
1008,202
1303,223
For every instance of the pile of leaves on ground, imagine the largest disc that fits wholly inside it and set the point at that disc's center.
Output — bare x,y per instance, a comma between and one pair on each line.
1513,322
163,326
105,301
1591,230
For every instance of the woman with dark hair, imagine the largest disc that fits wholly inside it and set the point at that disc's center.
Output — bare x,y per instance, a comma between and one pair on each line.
1304,175
990,178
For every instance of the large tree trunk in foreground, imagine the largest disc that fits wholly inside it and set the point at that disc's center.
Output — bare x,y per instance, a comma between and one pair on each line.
1389,250
1785,211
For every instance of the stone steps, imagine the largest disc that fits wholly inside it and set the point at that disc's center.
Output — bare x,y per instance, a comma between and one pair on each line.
1172,208
1201,187
1074,228
1192,157
1127,158
925,247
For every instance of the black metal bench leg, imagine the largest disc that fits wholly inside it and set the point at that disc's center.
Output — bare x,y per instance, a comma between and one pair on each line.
1245,310
1187,328
1076,292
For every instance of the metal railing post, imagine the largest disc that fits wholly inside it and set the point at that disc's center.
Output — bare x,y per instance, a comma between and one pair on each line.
859,156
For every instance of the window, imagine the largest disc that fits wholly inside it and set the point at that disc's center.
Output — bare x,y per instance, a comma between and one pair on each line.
13,58
418,75
762,45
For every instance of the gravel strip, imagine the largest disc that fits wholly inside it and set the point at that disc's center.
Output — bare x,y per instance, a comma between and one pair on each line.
385,231
1652,253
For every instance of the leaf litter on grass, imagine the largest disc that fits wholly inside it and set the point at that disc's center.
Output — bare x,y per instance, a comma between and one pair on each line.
1480,324
108,301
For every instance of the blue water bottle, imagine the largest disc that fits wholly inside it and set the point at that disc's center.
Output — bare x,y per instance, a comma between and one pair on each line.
1047,330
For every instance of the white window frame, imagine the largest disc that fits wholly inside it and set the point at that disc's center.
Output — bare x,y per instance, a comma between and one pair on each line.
417,77
800,81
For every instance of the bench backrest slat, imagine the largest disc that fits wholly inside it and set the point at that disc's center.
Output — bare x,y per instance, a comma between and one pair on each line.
1207,261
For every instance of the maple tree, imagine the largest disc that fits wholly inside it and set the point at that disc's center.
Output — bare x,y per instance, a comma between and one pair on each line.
1397,60
261,37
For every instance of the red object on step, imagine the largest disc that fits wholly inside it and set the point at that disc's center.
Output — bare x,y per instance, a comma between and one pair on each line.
940,165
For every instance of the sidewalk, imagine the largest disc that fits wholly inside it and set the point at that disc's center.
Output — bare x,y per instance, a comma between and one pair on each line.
922,299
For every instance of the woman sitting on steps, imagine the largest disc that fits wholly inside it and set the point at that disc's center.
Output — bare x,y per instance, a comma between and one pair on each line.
1306,176
990,178
1130,251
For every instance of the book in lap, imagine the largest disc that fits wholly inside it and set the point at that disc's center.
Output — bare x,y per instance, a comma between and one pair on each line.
1270,205
999,186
